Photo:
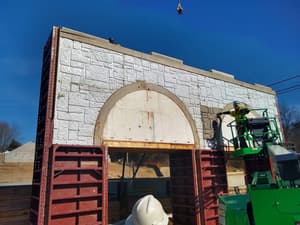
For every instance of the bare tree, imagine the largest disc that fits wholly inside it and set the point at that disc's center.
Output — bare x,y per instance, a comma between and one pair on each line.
7,135
289,118
295,136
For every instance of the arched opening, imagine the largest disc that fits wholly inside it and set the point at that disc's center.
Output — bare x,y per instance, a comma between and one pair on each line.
143,114
151,139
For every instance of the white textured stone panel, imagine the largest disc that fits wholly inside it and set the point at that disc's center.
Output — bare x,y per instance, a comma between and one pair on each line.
88,75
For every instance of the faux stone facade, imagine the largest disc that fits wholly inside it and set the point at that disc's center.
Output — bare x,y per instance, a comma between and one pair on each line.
87,75
208,115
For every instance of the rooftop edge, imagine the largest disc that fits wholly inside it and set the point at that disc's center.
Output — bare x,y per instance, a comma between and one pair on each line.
158,58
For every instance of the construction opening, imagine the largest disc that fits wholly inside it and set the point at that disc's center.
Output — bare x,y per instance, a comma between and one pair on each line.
115,124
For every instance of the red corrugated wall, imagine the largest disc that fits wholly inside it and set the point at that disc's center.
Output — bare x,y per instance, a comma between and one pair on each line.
77,185
44,130
212,182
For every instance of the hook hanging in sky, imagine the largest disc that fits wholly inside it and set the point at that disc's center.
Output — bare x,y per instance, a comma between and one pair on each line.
179,8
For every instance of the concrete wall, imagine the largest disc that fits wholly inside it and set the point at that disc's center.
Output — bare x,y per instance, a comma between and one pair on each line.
22,154
90,70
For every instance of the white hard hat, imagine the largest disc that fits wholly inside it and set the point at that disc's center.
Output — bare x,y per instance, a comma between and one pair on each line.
147,211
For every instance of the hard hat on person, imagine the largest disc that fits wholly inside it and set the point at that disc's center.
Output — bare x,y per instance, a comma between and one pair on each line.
236,104
147,211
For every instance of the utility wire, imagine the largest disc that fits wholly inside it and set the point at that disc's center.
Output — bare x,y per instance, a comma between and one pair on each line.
281,93
288,89
284,80
291,87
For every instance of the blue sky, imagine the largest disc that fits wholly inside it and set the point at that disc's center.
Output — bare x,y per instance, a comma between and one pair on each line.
258,41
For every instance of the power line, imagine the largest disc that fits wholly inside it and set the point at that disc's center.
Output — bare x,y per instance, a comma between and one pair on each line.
281,93
284,89
284,80
288,89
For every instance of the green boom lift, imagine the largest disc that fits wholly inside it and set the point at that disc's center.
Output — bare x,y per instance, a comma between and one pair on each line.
273,196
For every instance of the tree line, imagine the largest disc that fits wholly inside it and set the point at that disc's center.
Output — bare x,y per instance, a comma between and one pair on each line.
290,120
8,137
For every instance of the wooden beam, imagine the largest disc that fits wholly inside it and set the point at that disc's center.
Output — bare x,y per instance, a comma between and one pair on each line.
147,145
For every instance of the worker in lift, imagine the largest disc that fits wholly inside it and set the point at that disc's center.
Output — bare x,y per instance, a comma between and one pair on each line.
146,211
239,114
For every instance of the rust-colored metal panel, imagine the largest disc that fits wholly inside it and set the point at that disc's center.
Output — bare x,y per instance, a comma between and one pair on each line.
212,182
44,130
77,185
184,188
